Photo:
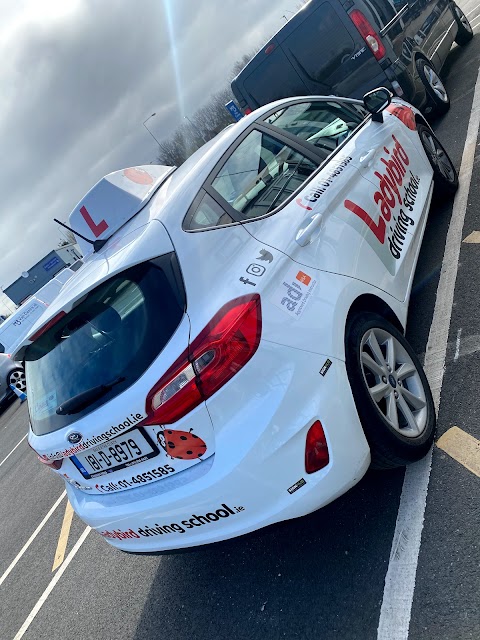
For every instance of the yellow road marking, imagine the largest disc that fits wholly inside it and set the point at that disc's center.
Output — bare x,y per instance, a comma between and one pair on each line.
473,238
63,539
462,447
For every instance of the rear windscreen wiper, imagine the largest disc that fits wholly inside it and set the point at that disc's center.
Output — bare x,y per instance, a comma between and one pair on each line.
86,398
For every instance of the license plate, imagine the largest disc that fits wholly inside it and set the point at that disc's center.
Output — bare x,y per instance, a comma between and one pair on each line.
126,450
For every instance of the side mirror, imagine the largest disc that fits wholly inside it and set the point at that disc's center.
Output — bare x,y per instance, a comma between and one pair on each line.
376,101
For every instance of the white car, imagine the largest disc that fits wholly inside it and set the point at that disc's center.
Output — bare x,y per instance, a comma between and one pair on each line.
231,354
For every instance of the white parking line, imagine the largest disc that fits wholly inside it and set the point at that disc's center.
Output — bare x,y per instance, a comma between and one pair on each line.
17,445
31,539
52,584
399,589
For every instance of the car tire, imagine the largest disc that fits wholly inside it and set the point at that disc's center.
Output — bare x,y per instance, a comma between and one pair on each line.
465,31
17,378
445,176
395,405
437,95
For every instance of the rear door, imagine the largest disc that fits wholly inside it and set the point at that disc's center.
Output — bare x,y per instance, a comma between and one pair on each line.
329,54
269,76
101,378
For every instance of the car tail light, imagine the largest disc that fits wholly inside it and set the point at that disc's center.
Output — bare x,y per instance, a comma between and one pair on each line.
221,349
48,325
53,464
247,111
316,449
368,33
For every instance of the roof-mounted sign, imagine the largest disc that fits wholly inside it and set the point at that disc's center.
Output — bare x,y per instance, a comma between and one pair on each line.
114,200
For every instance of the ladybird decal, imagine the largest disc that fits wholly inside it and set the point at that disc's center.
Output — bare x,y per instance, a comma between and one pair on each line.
404,114
181,445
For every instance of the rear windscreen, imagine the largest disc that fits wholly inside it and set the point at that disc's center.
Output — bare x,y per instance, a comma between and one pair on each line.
273,79
104,344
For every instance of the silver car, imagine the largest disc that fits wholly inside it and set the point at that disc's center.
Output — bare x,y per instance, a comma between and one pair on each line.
11,372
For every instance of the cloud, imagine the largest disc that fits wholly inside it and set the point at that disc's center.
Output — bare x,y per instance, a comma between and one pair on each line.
78,80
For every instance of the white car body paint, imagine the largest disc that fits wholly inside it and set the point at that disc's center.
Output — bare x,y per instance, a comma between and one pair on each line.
254,427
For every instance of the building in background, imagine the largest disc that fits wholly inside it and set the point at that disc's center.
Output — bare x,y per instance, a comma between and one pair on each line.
42,272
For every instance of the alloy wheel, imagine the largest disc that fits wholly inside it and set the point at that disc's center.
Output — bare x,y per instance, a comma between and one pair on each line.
17,378
437,156
464,20
393,383
435,83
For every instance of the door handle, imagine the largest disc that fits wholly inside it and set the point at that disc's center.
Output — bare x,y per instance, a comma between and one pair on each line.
306,232
366,160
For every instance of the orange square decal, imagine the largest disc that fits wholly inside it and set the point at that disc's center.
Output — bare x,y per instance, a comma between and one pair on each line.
303,278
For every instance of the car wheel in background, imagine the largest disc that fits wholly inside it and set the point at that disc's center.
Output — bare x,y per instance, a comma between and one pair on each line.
390,390
445,175
17,378
437,94
465,31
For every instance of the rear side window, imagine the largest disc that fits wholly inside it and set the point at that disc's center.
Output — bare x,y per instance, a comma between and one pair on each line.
320,45
324,124
104,344
260,174
206,214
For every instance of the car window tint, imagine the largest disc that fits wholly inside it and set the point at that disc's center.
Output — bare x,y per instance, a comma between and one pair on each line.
262,82
110,338
206,215
260,174
324,124
320,45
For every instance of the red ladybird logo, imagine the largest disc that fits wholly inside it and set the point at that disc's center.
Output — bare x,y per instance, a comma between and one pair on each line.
181,445
138,175
404,114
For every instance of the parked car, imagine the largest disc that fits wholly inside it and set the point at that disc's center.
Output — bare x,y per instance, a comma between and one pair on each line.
232,352
11,372
346,47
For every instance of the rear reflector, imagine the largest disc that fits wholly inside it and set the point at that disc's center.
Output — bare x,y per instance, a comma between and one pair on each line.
221,349
316,449
247,111
368,33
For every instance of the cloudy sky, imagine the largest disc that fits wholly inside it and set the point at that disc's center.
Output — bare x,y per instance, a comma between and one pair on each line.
79,77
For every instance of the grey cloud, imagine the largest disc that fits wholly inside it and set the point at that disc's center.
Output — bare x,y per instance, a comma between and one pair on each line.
76,93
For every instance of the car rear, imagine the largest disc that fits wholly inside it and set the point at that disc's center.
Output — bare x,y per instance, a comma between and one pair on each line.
328,48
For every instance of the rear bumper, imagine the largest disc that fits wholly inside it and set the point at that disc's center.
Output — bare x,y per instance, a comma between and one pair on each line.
246,487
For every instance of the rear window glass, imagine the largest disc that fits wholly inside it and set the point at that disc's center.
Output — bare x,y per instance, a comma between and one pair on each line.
260,174
274,78
104,344
320,45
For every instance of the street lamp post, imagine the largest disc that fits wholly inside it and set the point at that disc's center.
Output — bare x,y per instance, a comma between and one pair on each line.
153,114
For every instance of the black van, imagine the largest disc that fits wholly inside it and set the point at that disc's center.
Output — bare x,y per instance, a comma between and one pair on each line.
347,47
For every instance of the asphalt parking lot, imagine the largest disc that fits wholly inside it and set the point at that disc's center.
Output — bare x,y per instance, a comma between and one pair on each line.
321,576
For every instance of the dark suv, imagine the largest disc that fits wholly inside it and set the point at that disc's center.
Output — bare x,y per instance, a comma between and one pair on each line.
346,47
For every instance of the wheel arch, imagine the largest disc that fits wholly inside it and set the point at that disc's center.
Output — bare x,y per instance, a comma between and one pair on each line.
372,303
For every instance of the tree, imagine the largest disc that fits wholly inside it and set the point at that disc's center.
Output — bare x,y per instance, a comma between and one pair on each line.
205,124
